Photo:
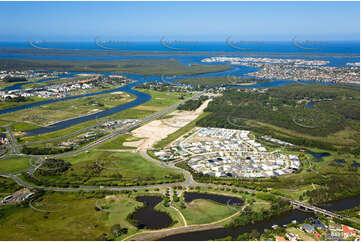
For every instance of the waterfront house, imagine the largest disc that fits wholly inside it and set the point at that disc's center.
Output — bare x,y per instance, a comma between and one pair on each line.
308,228
348,232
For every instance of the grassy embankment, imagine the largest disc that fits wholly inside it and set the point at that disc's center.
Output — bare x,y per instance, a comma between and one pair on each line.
54,112
203,211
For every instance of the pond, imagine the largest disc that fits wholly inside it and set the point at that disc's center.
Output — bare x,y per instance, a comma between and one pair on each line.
310,104
228,200
340,161
342,204
149,218
319,156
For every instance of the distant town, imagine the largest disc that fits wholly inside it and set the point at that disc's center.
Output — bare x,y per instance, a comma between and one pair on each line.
63,87
295,69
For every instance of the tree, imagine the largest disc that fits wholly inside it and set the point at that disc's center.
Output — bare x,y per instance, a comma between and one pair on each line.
102,237
182,205
116,230
254,234
175,198
243,237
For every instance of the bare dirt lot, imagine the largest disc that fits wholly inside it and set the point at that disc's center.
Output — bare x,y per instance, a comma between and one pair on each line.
160,129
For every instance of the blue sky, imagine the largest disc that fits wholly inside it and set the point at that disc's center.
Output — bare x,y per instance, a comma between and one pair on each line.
179,20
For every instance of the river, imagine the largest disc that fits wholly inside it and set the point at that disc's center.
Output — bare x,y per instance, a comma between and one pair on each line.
284,218
141,98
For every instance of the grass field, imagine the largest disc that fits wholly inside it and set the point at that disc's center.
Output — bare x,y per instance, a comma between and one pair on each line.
21,126
14,164
114,168
8,104
117,142
257,203
117,209
203,211
161,100
75,218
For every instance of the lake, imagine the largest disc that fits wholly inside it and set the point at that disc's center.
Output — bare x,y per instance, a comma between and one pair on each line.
149,218
190,196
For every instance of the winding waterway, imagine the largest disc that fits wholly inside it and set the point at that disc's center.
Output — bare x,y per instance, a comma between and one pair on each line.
141,98
284,218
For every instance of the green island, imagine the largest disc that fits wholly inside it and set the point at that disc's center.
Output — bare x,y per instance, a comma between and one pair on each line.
220,81
132,66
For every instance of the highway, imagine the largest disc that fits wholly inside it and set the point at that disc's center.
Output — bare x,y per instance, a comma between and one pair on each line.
13,142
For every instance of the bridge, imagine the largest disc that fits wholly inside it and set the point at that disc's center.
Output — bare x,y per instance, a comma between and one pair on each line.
309,207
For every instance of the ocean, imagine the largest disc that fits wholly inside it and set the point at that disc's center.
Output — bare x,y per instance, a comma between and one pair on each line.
301,47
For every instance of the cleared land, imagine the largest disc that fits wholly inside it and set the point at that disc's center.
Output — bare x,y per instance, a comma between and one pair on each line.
157,130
